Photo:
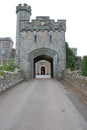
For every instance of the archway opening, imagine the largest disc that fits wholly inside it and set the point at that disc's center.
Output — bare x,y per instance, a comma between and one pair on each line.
43,67
42,70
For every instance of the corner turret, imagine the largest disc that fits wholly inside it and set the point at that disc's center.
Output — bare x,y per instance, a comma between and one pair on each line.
23,12
23,17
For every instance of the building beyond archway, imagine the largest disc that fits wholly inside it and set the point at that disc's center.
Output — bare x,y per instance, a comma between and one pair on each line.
41,40
43,69
43,66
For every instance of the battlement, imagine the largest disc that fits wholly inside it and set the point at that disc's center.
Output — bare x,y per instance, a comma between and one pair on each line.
44,23
42,18
6,39
40,23
23,7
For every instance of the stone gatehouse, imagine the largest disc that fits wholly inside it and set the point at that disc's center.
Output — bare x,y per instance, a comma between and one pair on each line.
40,44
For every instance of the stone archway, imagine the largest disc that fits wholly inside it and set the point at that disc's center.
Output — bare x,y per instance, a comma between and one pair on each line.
44,69
44,54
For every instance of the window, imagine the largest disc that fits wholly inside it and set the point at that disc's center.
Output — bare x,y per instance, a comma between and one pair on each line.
50,38
3,52
42,70
35,38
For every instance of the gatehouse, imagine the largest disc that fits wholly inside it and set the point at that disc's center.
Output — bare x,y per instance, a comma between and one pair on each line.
40,44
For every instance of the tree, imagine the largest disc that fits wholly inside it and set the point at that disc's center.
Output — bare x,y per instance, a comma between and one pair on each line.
70,58
84,66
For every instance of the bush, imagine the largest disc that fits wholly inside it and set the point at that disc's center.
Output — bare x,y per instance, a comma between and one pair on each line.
1,72
8,66
70,58
84,66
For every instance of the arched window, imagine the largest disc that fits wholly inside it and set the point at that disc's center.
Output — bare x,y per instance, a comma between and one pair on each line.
42,70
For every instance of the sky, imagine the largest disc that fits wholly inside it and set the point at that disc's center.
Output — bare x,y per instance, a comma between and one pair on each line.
73,11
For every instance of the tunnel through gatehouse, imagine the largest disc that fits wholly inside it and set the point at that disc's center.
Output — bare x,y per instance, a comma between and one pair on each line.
43,67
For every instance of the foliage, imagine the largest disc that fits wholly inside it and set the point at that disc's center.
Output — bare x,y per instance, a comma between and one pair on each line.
8,66
70,58
1,72
84,66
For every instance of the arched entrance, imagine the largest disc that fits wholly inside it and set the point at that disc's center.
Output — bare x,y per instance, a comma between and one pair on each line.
43,70
46,54
43,65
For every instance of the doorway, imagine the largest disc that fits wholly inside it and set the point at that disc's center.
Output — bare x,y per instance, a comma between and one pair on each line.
42,70
43,66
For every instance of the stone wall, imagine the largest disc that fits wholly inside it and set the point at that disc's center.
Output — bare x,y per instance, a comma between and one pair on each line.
10,80
75,79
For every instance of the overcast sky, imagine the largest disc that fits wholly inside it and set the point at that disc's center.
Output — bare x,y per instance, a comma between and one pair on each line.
74,11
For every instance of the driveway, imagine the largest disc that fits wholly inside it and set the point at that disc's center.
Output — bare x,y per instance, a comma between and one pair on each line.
42,104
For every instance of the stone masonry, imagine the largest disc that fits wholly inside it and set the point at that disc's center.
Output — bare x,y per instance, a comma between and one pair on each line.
75,79
39,39
10,79
6,47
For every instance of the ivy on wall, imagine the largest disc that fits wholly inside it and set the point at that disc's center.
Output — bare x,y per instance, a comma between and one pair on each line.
84,66
70,58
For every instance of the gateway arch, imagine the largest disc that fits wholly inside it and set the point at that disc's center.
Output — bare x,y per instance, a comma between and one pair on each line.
43,54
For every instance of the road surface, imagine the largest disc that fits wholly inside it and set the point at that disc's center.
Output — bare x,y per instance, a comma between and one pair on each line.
42,104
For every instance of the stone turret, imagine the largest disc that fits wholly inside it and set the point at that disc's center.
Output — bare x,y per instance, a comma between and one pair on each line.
23,17
23,12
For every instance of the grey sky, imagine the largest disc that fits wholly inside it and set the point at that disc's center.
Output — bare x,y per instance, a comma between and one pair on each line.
74,11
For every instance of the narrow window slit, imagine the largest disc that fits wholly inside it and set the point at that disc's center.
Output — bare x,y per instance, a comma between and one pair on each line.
50,38
35,38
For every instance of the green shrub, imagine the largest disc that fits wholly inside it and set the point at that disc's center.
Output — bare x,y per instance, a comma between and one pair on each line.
84,66
70,58
1,72
8,66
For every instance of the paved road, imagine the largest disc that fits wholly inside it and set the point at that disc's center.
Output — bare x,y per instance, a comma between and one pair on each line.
42,104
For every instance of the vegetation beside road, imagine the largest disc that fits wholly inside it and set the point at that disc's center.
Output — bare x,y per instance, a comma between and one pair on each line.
70,58
8,66
84,66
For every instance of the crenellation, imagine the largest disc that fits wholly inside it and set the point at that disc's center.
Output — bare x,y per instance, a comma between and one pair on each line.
63,24
23,7
6,39
42,18
44,23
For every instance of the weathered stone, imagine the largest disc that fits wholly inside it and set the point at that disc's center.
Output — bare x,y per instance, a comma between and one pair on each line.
10,80
75,79
6,45
40,39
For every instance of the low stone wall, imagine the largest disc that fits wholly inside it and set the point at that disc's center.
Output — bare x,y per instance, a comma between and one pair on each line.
10,79
75,79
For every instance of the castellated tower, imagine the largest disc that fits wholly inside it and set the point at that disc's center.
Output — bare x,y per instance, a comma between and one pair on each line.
40,44
23,17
